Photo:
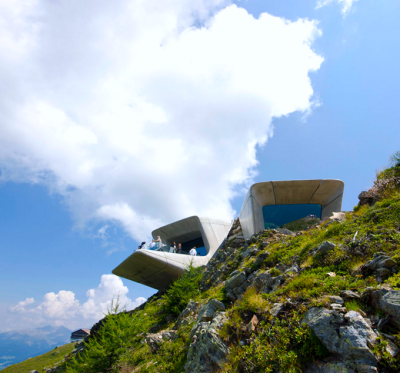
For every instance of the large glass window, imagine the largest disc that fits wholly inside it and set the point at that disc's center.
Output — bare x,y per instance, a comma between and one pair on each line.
277,215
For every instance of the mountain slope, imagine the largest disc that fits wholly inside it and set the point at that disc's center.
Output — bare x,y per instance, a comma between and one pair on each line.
39,362
322,300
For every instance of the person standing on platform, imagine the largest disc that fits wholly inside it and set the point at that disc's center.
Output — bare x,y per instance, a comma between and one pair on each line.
193,251
157,241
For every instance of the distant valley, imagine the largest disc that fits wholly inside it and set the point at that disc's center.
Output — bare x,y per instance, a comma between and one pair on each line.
18,345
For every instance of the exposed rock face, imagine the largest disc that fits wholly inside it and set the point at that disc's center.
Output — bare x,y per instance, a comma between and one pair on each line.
367,198
208,310
349,295
154,340
207,352
329,366
237,278
232,285
324,248
278,307
186,315
347,337
382,266
252,325
389,302
335,299
260,259
263,282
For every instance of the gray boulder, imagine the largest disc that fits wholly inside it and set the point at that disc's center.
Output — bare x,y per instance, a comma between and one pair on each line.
335,299
277,307
260,259
154,340
207,352
390,304
263,282
382,266
347,337
207,311
236,279
349,295
186,315
324,248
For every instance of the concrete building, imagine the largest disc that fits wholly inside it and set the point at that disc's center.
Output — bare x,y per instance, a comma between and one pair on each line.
158,268
267,205
274,203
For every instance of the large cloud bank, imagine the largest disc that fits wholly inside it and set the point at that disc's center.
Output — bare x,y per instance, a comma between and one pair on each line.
144,112
63,308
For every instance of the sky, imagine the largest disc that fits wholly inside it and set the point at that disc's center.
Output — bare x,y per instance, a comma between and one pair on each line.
119,117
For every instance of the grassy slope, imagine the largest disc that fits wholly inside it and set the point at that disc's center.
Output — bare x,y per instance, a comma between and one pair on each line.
41,361
280,343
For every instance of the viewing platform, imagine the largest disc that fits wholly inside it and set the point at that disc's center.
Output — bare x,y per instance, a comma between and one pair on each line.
158,268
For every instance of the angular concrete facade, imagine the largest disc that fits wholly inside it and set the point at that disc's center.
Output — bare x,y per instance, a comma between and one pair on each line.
158,269
326,193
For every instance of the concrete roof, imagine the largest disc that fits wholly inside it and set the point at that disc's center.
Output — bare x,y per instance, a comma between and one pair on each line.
328,193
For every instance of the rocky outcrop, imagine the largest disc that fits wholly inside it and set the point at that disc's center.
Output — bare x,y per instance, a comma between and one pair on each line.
387,301
186,315
238,283
154,340
367,198
208,310
349,295
207,352
323,249
381,266
348,337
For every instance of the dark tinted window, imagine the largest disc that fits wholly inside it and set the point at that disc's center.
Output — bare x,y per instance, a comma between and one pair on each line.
278,215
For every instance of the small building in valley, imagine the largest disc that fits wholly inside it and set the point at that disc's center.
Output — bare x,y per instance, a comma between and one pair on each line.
79,334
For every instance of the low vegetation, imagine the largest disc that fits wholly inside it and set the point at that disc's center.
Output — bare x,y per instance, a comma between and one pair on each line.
280,343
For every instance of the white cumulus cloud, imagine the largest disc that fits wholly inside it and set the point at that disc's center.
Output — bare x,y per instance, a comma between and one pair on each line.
145,112
63,308
345,4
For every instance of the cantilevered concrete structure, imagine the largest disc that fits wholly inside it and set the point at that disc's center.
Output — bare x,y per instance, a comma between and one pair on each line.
158,269
327,194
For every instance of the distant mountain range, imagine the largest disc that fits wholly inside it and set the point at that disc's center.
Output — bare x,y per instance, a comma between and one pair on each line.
18,345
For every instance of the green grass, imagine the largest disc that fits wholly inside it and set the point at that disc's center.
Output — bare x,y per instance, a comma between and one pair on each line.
41,361
279,343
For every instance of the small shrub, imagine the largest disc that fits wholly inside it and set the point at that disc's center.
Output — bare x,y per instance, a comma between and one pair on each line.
103,350
275,272
183,290
353,305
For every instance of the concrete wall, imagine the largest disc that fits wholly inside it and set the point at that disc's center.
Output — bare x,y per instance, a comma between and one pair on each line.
327,193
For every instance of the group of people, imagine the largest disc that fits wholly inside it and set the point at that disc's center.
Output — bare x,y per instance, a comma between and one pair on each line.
157,243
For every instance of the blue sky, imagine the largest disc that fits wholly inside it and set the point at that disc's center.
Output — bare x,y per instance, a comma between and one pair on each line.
64,227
